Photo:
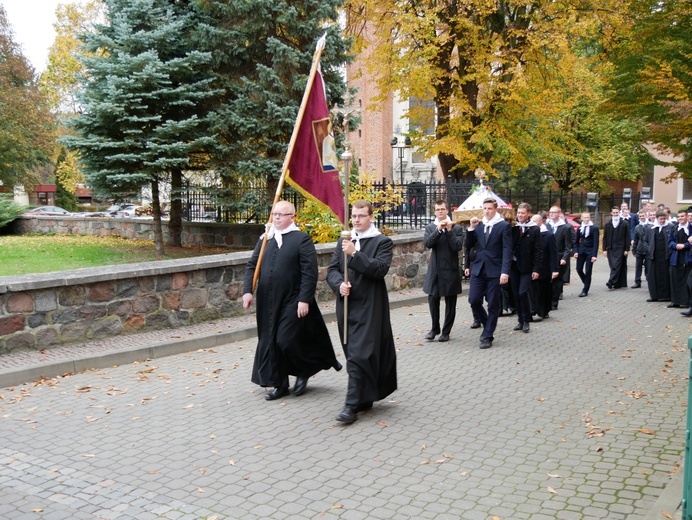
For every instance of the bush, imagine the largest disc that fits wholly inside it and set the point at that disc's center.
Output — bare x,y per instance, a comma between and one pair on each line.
9,210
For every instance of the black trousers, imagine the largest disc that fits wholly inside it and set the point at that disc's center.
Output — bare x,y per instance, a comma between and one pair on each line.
584,269
450,312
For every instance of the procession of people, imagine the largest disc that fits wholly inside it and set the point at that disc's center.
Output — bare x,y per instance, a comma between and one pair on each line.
529,255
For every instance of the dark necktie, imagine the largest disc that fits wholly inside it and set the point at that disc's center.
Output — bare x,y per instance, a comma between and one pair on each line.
487,232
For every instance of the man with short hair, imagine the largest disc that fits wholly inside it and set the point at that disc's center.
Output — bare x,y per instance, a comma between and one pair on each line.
549,270
491,266
292,338
562,232
443,279
658,256
640,249
616,246
680,262
370,351
526,263
586,251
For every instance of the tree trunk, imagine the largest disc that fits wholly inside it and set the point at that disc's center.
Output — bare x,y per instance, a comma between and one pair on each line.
175,223
156,210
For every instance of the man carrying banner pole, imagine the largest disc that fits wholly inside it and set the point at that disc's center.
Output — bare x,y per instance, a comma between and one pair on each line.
357,270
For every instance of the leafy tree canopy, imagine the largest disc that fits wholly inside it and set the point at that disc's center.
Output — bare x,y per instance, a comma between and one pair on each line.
26,126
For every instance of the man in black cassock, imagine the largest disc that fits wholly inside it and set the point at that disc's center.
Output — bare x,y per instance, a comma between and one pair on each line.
369,349
443,278
292,336
658,257
616,246
680,265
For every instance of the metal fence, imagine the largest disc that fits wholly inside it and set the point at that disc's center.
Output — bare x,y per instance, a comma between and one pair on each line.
250,202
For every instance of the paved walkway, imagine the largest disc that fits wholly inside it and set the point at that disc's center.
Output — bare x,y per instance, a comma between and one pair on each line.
582,418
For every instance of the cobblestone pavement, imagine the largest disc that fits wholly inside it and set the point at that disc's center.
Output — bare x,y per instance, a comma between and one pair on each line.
582,418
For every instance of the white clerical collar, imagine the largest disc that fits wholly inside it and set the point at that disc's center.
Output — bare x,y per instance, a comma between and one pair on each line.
495,220
356,237
560,222
277,234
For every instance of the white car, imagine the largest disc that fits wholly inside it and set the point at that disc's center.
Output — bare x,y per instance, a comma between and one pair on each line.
127,211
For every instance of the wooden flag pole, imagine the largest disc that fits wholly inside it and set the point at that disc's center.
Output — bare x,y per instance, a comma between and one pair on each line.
291,145
346,234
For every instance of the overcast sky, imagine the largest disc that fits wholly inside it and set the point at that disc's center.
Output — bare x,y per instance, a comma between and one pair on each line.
32,22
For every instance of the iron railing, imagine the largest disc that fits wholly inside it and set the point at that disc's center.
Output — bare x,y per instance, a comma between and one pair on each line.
250,202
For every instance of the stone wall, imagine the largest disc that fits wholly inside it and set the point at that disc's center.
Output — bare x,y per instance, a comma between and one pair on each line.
42,310
235,236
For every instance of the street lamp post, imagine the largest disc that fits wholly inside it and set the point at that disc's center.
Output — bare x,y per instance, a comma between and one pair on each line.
400,151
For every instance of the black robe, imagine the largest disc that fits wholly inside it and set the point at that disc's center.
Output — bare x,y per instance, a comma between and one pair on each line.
679,268
288,345
370,351
616,240
658,277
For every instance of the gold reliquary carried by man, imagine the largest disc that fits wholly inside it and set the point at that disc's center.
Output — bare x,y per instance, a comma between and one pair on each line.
473,205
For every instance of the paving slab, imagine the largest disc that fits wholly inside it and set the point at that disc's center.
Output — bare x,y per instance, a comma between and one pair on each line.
583,417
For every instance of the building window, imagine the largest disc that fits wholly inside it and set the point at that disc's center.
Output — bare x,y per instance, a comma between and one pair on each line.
686,185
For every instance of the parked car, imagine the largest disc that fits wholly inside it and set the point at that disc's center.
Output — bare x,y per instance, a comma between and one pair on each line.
127,211
48,211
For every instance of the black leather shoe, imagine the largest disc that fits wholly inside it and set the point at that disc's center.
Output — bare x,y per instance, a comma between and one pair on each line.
672,306
583,293
518,326
443,337
525,327
687,313
347,416
649,300
609,285
363,407
476,324
277,393
431,335
636,286
301,384
486,343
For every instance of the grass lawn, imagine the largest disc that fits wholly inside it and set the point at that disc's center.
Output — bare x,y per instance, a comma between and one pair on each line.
46,253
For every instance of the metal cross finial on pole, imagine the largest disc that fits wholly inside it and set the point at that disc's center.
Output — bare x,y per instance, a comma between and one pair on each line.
346,158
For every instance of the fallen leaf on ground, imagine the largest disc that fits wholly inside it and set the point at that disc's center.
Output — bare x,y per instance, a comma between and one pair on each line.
645,431
552,490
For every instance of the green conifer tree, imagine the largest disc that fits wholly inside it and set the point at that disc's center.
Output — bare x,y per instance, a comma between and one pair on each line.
263,52
145,102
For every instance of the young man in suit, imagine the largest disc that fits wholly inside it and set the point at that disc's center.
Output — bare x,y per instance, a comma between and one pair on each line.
548,272
443,279
586,251
640,249
491,267
658,257
562,233
680,264
526,263
616,246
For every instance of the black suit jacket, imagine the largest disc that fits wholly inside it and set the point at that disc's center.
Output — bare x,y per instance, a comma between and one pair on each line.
587,245
550,262
496,255
617,239
528,250
563,241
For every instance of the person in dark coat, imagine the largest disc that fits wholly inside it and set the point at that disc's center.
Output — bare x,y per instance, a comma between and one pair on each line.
640,250
443,278
658,279
491,267
616,246
586,251
679,262
369,345
550,269
688,312
292,338
526,263
562,233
